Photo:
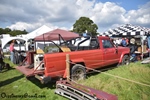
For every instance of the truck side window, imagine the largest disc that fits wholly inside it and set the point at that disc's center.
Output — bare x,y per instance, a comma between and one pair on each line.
107,44
94,44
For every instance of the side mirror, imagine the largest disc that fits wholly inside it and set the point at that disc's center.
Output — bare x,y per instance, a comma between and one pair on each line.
116,45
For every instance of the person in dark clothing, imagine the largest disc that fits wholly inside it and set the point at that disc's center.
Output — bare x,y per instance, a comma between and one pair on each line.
2,63
148,44
133,47
1,58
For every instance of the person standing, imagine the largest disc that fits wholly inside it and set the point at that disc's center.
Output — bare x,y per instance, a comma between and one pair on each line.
133,47
1,58
148,41
123,42
11,48
127,41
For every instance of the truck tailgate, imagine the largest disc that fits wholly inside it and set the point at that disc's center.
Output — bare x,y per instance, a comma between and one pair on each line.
27,71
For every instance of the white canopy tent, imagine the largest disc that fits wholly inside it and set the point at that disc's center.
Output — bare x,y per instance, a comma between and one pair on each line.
6,40
43,29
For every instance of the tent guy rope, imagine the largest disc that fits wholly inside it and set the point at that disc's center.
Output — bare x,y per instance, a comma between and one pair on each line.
114,76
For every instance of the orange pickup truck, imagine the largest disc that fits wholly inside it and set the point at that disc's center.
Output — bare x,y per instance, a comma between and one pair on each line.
87,53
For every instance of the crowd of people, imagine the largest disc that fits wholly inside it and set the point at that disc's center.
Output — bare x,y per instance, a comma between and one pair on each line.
12,56
125,42
15,56
131,43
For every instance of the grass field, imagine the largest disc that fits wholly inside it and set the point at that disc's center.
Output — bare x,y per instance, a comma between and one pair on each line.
13,83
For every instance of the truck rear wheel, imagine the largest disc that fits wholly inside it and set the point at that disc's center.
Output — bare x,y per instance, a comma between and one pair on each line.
125,60
78,72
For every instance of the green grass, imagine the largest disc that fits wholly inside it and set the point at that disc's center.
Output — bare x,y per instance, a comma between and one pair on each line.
125,90
13,82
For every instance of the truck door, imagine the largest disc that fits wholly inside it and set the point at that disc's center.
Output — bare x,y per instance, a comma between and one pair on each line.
110,52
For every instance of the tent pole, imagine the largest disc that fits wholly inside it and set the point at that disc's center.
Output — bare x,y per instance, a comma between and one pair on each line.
44,41
142,48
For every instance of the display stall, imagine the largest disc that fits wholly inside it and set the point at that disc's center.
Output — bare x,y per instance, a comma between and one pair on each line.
131,31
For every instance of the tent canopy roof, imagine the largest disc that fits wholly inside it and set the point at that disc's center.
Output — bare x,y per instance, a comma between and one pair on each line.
43,29
54,35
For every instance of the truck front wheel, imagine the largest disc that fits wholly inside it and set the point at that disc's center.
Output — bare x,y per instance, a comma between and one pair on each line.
78,72
125,60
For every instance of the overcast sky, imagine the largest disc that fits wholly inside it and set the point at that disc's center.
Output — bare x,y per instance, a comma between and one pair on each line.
32,14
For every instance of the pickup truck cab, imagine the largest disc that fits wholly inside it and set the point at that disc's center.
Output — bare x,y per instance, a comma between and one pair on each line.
100,52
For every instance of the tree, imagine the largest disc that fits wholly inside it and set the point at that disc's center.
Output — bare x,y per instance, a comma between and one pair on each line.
17,32
12,32
4,31
24,32
1,31
84,24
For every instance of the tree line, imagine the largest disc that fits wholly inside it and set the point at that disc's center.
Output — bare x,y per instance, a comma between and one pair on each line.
82,25
12,32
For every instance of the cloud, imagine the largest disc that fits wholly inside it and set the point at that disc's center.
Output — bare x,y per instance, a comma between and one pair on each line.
107,14
31,14
21,26
22,13
140,16
30,27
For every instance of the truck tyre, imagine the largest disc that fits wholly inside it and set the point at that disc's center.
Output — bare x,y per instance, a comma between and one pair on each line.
78,72
125,60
